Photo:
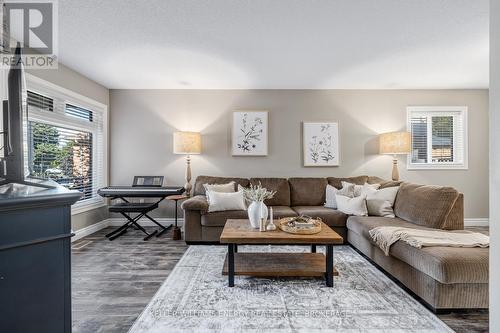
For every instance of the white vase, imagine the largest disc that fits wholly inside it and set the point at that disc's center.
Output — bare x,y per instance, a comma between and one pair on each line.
256,211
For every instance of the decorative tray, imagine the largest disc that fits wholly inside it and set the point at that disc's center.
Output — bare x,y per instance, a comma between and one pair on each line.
300,225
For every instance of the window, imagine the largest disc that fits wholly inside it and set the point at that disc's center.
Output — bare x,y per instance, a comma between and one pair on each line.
61,154
40,102
439,137
67,140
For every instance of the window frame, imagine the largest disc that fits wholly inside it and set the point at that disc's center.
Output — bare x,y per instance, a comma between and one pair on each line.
463,110
60,119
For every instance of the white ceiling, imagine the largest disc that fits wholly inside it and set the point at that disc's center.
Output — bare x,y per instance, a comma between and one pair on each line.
282,44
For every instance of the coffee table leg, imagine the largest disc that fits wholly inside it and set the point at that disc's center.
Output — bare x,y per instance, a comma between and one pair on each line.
313,248
329,265
230,265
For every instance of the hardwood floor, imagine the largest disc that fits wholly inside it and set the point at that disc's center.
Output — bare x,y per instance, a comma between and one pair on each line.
112,282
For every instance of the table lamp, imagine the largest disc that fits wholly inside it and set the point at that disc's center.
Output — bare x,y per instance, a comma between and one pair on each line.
187,143
395,143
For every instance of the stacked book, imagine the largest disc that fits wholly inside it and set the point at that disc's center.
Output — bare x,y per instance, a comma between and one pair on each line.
302,222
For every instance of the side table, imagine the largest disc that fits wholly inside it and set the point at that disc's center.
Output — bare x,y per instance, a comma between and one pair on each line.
176,231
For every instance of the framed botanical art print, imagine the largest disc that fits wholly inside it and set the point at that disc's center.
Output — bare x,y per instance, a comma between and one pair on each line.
321,144
249,133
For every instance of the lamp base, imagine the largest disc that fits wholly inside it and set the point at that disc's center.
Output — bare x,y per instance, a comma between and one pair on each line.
395,171
188,187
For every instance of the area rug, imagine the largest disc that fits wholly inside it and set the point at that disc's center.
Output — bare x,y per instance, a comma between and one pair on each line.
195,298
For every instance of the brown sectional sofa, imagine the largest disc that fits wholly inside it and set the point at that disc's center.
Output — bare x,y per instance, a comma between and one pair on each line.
443,277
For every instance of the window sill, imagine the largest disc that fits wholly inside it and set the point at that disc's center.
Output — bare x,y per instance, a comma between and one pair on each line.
437,167
82,207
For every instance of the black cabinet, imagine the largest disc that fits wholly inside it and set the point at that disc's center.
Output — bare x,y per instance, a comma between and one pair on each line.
35,258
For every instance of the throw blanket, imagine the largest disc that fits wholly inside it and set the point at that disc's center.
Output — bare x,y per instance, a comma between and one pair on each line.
384,237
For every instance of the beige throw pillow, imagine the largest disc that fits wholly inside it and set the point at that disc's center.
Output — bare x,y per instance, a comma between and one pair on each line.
352,206
380,202
331,191
226,188
222,201
358,189
380,208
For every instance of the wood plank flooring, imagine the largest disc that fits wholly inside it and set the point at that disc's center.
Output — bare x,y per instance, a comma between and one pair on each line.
114,281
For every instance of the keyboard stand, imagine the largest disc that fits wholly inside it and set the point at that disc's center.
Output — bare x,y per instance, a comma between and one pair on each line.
127,208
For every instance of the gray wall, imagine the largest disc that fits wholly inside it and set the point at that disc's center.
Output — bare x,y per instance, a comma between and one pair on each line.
142,122
495,165
69,79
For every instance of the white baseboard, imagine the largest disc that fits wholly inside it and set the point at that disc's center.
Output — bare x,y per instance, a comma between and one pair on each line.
477,222
80,233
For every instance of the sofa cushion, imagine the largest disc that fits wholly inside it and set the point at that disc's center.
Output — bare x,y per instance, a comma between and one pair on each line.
330,216
337,182
218,219
280,185
307,191
425,205
444,264
283,211
363,224
199,189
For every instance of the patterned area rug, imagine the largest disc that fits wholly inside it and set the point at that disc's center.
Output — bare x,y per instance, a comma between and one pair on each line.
195,298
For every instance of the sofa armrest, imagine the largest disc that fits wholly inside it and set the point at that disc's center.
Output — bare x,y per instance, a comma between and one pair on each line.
198,202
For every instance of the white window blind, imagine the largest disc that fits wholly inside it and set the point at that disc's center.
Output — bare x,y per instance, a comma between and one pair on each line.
78,112
66,140
439,137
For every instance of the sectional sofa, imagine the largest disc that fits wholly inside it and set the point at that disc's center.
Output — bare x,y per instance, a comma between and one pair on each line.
443,277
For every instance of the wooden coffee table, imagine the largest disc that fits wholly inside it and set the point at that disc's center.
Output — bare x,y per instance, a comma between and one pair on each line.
262,264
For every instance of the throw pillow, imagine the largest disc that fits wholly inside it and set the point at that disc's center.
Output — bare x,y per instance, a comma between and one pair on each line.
380,208
222,201
380,202
224,188
358,189
331,191
352,206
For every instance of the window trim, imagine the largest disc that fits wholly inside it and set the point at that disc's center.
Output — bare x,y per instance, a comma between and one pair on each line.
45,88
440,166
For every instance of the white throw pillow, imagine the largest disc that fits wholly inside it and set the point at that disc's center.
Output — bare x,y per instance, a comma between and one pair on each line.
352,206
380,202
331,191
222,188
222,201
358,189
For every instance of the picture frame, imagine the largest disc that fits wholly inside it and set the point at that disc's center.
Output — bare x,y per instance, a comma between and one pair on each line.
249,134
321,146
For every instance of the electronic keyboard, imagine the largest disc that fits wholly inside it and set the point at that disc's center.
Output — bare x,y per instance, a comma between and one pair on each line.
134,191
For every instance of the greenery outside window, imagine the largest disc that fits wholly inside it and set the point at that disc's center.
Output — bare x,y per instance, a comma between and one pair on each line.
61,154
67,140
